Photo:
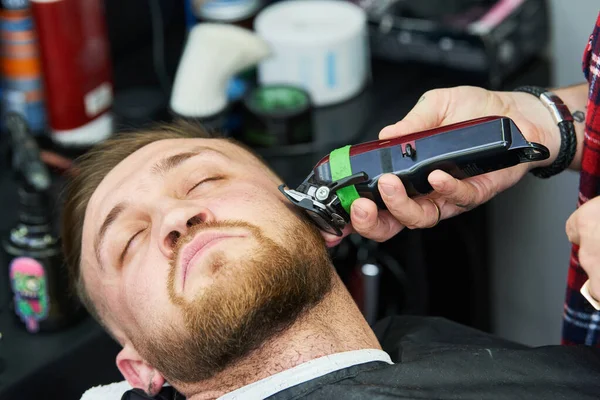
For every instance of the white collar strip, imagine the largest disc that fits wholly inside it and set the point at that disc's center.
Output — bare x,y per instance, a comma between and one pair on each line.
305,372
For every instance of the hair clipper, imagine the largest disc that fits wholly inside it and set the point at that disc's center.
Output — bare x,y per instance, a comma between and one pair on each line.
463,150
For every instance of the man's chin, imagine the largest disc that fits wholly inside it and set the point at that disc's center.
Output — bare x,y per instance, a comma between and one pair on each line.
206,273
222,263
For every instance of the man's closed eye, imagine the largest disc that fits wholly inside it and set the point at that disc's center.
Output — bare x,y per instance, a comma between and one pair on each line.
214,178
127,246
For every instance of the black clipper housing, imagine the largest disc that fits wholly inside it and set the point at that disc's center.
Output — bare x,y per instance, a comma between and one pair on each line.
463,150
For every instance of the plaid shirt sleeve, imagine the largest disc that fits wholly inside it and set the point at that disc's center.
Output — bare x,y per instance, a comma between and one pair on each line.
581,322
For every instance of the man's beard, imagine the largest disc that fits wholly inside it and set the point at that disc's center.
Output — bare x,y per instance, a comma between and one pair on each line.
250,303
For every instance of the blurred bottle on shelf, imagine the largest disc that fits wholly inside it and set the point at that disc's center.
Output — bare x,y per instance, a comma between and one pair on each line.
77,70
240,13
22,85
32,251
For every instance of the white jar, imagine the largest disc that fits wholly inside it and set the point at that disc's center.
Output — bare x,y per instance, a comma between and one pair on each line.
319,45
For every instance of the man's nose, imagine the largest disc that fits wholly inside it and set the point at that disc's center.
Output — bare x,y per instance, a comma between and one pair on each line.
177,222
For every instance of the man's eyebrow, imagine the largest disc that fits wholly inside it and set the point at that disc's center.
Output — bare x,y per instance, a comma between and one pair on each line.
108,221
165,165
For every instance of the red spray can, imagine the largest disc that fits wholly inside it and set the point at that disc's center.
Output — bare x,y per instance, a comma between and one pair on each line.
77,69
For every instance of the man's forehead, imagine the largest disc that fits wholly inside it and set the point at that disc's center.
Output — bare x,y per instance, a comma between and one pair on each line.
143,159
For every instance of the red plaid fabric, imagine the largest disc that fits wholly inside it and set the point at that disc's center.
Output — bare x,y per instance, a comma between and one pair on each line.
581,322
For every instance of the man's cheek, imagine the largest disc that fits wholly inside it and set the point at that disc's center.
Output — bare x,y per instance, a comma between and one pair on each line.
256,207
146,282
138,293
243,203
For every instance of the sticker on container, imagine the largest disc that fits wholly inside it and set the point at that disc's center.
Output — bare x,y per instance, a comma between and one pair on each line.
98,99
30,289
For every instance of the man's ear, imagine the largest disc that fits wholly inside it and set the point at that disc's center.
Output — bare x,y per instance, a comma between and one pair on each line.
137,372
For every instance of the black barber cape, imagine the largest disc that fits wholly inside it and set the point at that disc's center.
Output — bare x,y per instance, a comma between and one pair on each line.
438,359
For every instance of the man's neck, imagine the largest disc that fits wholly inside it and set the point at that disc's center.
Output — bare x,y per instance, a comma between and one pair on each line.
336,325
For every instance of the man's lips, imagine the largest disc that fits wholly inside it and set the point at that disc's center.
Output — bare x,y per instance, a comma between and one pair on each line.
198,246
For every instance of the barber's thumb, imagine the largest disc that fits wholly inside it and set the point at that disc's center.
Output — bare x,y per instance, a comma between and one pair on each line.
363,214
426,114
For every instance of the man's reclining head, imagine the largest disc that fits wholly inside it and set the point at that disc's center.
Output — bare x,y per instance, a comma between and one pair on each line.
184,249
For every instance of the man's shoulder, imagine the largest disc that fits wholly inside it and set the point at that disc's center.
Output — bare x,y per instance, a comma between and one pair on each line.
438,341
438,358
405,336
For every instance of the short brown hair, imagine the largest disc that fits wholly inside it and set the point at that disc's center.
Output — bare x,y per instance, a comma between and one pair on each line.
89,170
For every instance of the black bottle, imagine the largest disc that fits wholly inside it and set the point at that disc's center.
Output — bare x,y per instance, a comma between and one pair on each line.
38,280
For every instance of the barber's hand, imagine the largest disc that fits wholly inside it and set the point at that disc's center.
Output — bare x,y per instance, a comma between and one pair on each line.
443,107
583,229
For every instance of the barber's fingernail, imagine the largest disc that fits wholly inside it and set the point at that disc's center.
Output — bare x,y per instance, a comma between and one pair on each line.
388,190
359,212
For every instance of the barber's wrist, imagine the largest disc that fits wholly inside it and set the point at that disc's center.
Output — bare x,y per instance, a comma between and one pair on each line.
549,134
563,119
539,126
576,98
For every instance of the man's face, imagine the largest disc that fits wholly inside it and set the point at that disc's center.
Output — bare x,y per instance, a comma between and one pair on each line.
193,255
